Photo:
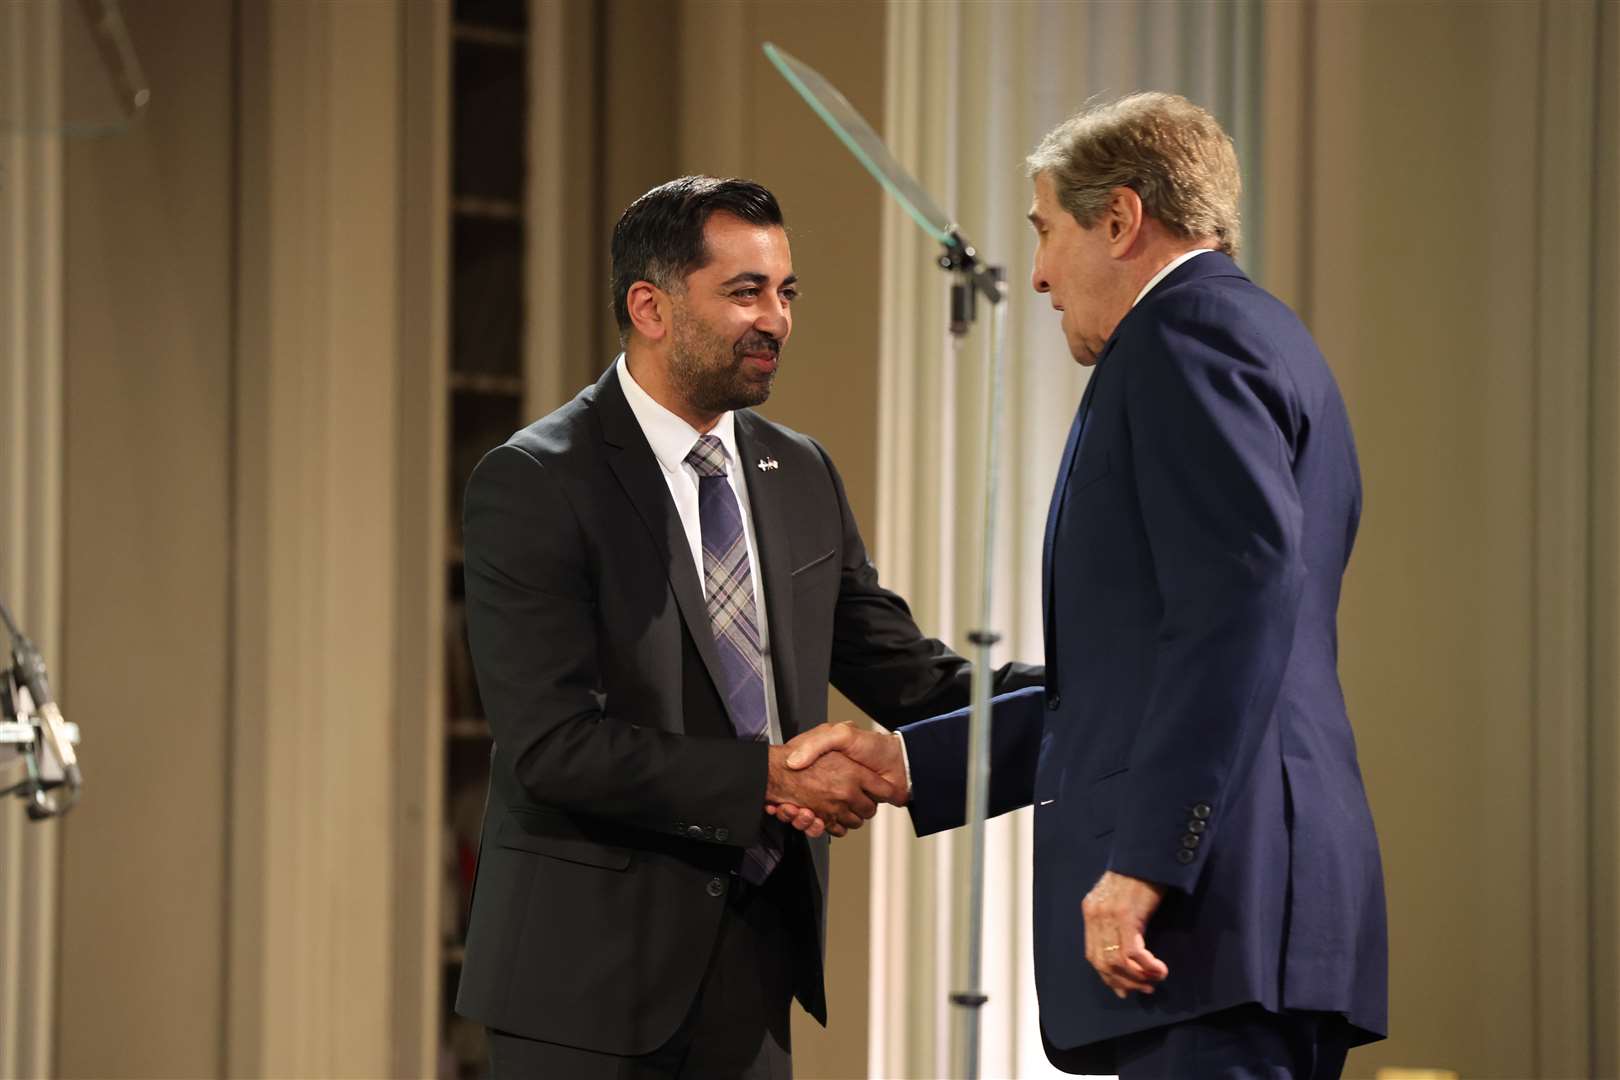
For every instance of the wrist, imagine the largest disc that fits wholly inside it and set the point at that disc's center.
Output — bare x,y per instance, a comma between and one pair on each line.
775,773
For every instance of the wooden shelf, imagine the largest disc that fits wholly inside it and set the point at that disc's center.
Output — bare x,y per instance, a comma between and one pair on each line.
472,382
468,727
488,35
487,209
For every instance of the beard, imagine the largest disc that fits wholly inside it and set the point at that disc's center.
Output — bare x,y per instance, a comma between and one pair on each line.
710,373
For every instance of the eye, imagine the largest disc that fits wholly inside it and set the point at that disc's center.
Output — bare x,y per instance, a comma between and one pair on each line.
789,295
746,294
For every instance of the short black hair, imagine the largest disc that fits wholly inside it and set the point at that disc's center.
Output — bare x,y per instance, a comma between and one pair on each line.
659,237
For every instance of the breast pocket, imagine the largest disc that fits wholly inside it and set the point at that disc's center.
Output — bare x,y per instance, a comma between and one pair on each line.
817,571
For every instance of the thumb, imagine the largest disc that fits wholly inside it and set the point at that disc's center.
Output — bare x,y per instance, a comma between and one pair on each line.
807,748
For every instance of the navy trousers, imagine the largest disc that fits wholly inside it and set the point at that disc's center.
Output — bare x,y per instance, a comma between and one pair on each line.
1245,1043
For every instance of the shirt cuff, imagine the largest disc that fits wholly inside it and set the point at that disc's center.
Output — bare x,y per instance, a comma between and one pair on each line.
905,759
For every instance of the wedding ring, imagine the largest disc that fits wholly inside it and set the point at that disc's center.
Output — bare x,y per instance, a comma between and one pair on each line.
1110,948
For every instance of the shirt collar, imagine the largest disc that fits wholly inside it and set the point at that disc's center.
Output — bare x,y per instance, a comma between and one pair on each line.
1168,268
670,437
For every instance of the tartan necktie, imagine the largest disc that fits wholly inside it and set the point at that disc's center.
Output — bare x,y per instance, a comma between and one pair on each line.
728,586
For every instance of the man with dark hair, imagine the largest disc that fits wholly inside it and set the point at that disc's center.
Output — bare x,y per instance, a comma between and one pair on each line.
660,585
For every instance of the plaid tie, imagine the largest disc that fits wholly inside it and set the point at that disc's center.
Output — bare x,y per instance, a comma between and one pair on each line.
728,585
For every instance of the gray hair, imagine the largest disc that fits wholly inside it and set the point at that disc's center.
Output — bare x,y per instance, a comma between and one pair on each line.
1169,151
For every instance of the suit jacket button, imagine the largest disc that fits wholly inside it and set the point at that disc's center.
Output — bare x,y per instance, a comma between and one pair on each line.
1190,841
708,833
695,832
1054,702
718,887
1183,856
1201,811
722,835
1197,825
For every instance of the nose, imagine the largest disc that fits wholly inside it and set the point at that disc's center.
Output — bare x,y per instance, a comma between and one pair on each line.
1037,278
774,319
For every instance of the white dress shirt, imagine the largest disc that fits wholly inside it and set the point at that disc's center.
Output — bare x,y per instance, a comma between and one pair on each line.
1185,256
671,439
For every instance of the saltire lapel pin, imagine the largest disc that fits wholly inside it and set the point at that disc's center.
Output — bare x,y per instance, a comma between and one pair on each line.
767,464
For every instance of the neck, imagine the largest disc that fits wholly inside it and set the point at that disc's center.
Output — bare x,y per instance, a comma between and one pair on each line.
650,368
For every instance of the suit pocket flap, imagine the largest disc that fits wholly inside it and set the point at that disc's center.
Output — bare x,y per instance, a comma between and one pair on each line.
815,562
559,837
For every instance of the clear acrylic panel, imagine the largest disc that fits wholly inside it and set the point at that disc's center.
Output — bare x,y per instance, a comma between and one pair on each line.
855,133
103,87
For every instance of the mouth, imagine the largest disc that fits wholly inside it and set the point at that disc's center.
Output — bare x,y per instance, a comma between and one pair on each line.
762,362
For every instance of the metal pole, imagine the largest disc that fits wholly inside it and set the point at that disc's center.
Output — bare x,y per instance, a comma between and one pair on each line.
970,999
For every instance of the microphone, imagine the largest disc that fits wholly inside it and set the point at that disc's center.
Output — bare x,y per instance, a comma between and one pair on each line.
28,671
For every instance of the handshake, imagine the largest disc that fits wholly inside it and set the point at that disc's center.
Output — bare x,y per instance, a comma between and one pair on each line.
831,778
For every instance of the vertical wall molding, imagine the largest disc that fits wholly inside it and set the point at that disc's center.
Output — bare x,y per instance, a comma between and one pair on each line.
1565,510
30,496
421,532
311,973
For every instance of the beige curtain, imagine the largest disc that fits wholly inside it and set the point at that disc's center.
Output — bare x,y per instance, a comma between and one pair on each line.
971,88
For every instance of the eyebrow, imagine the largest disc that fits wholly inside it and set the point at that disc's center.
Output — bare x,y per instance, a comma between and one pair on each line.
754,277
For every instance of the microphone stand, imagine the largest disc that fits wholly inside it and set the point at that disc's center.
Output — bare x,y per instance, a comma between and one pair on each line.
971,279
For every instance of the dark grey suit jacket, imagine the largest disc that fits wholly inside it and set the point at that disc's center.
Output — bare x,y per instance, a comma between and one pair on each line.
620,798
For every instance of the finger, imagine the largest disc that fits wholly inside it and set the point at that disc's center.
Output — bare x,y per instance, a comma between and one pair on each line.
1146,965
835,829
848,819
804,819
805,749
1116,976
815,828
878,788
863,805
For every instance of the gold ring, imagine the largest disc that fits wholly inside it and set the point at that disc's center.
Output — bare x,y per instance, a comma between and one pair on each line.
1110,948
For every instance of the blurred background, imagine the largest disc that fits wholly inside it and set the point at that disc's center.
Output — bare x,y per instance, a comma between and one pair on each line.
256,330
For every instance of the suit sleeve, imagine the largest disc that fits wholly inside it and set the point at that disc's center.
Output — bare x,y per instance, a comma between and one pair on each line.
531,618
937,750
881,661
1212,425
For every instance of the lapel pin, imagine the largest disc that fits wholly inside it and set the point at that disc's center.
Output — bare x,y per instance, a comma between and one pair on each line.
767,464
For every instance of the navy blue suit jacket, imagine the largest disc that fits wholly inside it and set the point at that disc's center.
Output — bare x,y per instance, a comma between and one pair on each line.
1192,730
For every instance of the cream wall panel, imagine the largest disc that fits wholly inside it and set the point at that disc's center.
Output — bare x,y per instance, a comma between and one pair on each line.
147,320
1447,267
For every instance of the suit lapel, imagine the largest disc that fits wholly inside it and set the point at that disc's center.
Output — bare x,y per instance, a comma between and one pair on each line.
638,472
768,501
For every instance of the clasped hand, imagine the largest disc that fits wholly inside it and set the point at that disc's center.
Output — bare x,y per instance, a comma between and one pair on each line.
831,778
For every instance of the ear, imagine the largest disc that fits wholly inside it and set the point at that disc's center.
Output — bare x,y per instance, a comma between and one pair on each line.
1123,220
649,308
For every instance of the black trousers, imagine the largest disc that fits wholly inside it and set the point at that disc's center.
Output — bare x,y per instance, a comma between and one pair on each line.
738,1024
1245,1043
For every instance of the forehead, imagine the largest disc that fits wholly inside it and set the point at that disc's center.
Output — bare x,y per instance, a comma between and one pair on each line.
1045,203
734,245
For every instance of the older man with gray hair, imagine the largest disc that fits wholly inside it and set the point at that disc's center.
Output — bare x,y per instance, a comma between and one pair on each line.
1202,836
